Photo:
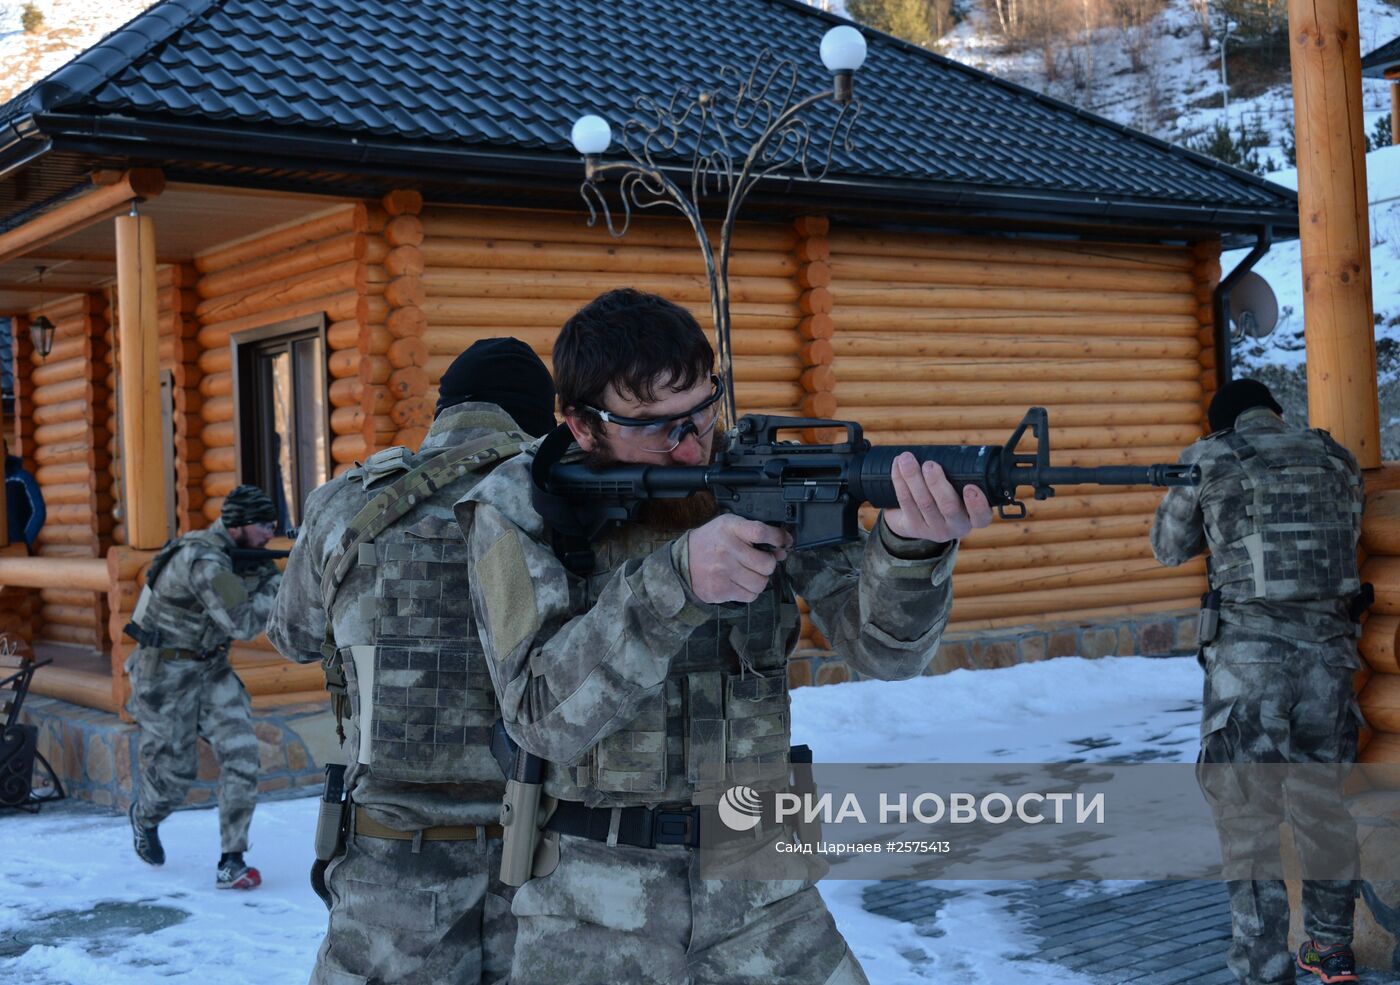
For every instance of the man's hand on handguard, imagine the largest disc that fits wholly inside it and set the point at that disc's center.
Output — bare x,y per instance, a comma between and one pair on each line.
726,563
929,507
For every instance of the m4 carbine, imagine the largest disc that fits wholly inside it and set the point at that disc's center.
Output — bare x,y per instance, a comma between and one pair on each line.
246,559
815,491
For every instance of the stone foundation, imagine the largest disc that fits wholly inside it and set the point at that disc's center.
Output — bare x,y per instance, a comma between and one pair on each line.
95,753
1158,635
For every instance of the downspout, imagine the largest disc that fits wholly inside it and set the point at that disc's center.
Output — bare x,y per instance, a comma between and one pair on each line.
1220,304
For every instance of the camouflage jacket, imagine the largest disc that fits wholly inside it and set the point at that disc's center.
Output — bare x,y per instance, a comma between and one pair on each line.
611,677
1180,531
298,623
199,603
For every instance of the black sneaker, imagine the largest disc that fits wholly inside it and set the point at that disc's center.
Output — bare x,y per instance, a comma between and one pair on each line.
146,841
1332,964
234,873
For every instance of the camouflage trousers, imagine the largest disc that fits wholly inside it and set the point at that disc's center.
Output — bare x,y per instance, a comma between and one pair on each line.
1275,700
175,702
642,916
400,916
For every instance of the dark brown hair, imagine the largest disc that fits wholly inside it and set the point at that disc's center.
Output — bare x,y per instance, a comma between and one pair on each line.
637,342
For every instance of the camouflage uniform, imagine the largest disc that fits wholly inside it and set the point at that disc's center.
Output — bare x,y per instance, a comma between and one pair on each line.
182,686
1280,509
628,684
402,910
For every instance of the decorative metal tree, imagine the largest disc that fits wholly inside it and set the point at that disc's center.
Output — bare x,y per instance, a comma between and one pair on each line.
716,120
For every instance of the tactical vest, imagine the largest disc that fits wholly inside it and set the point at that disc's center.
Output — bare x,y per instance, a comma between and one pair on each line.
417,684
170,616
725,700
1295,539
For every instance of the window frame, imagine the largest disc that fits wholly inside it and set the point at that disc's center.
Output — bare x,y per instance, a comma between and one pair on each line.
243,347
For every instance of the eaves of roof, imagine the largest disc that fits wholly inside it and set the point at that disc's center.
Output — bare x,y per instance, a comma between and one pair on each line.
167,142
1375,64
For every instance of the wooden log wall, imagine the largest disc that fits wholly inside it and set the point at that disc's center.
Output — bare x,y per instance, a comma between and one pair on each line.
396,409
1379,683
498,272
945,340
310,266
71,452
1205,271
179,353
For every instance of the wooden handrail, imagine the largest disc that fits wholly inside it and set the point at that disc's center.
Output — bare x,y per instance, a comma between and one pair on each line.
55,572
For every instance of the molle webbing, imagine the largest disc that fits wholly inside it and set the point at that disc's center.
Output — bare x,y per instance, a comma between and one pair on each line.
357,546
393,503
1297,537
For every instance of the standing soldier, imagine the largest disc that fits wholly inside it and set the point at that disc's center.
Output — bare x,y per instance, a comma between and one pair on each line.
668,655
194,604
1280,509
413,898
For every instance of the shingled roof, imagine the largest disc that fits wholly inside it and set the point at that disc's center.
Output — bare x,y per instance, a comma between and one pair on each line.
1374,64
375,83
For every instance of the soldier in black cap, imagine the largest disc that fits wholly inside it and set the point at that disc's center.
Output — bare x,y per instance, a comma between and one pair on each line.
193,605
1279,508
378,589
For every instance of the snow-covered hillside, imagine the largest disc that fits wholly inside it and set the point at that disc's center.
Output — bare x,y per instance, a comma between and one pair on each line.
1177,93
69,27
1280,358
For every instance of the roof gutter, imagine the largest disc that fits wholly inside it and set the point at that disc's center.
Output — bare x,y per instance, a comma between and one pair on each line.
1220,304
21,143
162,141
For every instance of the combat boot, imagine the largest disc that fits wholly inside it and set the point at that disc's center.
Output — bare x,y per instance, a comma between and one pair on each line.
146,841
234,873
1330,964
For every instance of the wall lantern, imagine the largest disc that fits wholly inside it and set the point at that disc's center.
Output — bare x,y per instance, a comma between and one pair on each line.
41,329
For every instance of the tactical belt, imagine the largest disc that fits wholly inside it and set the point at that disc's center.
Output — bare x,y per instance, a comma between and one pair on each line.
172,653
370,828
640,827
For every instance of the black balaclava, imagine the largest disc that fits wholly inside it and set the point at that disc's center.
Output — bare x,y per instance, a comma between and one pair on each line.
505,372
1236,397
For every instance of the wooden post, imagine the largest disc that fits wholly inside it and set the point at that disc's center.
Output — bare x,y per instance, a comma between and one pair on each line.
1334,227
4,450
143,458
1394,76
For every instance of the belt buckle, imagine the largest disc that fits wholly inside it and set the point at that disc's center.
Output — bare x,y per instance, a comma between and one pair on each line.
672,827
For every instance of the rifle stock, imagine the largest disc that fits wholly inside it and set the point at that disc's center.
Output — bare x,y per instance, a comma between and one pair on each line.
815,490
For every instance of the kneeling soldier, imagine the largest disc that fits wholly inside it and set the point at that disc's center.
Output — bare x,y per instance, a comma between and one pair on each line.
413,897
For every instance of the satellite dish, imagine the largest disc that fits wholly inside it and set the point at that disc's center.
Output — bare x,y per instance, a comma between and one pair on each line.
1253,308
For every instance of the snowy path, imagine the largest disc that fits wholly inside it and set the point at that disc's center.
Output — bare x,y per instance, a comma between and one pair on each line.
60,867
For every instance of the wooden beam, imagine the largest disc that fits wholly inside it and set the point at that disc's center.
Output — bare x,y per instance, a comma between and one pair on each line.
45,288
1338,326
143,460
81,212
54,572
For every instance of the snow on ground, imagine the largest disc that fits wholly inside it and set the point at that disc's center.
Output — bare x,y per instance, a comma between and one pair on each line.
62,869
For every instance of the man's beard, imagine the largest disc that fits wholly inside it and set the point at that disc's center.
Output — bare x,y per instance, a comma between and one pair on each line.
683,513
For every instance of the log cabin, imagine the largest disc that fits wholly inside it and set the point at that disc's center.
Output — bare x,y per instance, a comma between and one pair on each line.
262,231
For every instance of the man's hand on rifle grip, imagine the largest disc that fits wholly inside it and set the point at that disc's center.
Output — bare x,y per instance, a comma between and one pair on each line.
731,559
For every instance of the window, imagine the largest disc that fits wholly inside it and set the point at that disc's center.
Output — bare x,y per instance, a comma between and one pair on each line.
280,396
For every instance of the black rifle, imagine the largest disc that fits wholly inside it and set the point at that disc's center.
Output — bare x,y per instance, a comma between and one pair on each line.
245,559
816,491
